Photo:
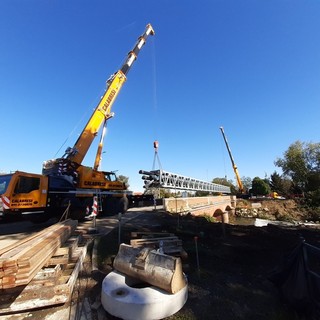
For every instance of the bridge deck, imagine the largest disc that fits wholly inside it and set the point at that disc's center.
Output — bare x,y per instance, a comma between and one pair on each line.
169,180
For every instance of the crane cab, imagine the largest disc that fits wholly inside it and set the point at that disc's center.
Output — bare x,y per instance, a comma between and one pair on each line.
92,179
23,193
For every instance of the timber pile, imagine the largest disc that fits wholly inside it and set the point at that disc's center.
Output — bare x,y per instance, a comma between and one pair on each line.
52,285
20,262
167,243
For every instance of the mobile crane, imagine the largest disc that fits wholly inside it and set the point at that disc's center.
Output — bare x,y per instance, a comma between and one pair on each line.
65,182
235,168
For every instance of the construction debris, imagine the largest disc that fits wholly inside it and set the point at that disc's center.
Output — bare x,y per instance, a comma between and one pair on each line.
166,243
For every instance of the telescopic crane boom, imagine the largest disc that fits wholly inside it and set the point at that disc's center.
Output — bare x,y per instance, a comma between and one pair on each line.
235,169
65,185
70,164
103,110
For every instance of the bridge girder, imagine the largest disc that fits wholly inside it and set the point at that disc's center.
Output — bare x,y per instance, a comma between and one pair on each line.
169,180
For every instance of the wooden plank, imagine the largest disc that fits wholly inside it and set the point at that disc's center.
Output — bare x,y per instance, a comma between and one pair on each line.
8,282
77,268
26,263
170,245
148,234
139,242
69,246
19,247
64,259
163,242
47,276
27,239
42,292
44,253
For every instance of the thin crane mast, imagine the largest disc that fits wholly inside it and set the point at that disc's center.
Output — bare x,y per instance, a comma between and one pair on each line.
235,168
77,153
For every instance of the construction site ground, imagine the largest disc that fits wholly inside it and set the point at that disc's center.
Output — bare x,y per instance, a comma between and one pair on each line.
227,267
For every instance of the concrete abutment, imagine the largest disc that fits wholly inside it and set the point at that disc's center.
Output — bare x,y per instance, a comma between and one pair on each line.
219,207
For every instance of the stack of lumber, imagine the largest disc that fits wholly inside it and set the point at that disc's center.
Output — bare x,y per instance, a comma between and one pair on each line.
167,243
20,262
53,284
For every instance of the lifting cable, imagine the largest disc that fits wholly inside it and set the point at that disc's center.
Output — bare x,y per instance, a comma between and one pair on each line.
223,158
155,98
155,108
156,156
81,120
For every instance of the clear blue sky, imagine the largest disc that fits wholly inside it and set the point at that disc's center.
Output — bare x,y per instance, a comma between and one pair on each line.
251,66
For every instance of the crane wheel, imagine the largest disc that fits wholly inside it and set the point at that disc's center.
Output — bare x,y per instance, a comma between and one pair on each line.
39,217
115,205
76,211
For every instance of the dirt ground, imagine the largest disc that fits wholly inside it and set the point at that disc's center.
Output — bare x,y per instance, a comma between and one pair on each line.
228,266
281,210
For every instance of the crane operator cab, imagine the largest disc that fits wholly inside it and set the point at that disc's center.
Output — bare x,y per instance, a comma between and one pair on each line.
111,176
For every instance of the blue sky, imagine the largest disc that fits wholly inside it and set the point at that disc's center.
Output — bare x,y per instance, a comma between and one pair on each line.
251,66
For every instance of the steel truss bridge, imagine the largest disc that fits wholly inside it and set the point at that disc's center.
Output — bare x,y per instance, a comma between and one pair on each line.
168,180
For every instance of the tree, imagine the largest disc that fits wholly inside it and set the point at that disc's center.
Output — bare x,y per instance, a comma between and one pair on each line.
201,193
260,187
124,179
301,162
280,184
225,182
222,181
247,183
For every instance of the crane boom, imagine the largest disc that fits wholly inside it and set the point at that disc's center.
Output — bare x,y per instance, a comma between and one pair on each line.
235,169
65,185
103,109
70,164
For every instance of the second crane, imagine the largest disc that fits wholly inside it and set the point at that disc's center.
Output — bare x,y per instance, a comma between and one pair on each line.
235,168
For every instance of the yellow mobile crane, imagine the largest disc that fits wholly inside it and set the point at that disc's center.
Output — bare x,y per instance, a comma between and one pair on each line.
65,181
235,169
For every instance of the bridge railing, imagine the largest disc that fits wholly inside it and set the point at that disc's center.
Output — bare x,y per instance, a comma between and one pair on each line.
169,180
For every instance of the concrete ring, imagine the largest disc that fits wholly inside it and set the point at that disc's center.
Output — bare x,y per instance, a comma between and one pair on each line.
126,298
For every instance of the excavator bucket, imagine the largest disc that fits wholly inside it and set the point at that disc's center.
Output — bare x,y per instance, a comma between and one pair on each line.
151,266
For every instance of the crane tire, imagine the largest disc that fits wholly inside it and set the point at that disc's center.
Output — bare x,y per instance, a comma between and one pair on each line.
126,298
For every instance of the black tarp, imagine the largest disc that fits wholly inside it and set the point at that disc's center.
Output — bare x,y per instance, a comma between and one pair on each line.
298,283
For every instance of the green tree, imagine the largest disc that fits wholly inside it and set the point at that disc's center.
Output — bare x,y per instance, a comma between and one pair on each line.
222,181
247,183
124,179
225,182
301,162
202,193
260,187
281,185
